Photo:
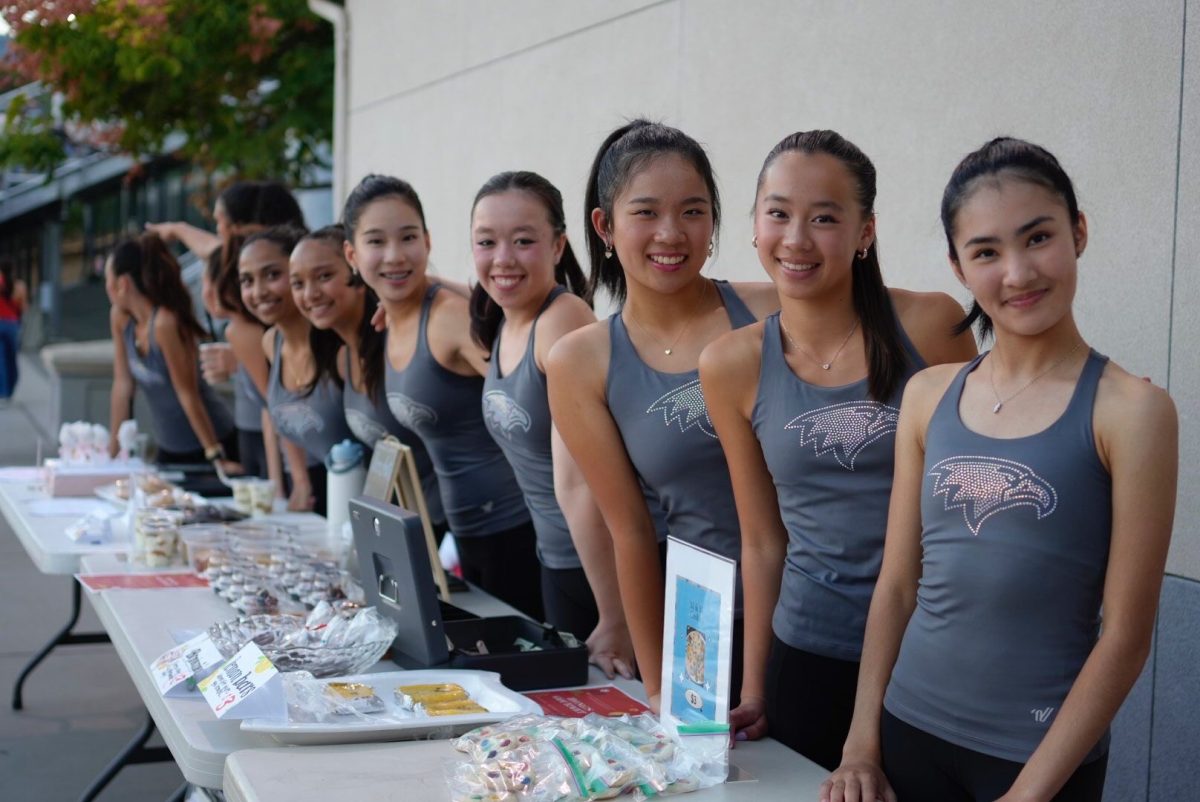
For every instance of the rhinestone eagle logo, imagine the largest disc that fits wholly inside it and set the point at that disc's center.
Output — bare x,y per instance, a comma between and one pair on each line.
366,429
684,406
409,413
984,486
297,419
845,429
503,414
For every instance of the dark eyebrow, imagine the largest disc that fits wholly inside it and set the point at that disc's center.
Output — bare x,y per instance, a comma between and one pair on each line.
1032,224
487,230
686,202
980,241
381,231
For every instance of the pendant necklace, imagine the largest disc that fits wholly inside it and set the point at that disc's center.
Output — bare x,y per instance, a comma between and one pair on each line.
832,359
1000,402
668,349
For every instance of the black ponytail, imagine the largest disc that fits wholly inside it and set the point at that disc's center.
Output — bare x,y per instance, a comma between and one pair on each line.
886,357
623,154
486,314
155,273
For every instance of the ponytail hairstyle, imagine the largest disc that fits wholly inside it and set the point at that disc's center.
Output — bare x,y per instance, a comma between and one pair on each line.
886,357
372,188
1002,157
240,200
370,343
275,205
323,344
486,314
155,273
622,155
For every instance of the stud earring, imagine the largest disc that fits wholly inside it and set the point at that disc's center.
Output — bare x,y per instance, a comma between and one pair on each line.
754,241
710,247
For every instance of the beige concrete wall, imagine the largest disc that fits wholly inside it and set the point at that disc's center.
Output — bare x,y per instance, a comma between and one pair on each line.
446,94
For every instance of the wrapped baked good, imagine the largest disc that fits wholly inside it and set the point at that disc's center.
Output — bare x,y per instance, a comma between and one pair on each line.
354,697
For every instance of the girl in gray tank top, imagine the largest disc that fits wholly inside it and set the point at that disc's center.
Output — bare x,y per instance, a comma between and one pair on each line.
191,424
1034,488
304,401
312,417
625,393
437,391
806,406
332,298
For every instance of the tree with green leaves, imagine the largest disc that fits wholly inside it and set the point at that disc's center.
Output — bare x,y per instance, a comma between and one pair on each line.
247,83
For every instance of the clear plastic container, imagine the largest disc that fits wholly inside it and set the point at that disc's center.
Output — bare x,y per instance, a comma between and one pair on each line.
200,542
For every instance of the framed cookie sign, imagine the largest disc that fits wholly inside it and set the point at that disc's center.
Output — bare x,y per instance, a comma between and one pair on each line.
697,635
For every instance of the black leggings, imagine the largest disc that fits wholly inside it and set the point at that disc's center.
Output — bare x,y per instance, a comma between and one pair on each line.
568,601
505,564
809,702
921,766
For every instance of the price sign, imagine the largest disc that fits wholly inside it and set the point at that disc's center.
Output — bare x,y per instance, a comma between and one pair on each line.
183,662
246,685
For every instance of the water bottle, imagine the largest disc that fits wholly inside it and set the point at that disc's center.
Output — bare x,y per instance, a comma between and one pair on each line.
345,475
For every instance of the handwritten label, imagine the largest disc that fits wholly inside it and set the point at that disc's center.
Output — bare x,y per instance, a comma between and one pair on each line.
247,683
183,662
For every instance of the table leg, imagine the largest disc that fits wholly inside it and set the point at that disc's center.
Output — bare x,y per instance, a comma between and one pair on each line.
135,752
65,637
180,793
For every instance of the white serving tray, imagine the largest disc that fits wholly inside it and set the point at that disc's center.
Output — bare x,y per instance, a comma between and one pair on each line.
483,686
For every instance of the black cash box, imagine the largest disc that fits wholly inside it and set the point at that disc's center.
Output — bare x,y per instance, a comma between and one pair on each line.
396,575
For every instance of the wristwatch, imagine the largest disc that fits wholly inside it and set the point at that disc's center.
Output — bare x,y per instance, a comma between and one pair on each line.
214,453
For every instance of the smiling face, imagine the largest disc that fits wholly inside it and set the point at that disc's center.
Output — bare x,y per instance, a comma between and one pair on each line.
809,224
661,224
390,248
320,283
1017,252
515,248
263,277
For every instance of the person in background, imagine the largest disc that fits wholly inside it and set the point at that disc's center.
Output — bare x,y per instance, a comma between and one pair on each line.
1034,488
304,400
156,348
625,393
13,300
434,385
332,296
805,404
530,292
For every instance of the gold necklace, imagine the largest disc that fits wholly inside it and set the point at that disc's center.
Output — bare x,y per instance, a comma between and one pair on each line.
832,359
668,349
1000,402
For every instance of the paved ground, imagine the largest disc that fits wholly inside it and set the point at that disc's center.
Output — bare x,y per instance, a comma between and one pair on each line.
80,705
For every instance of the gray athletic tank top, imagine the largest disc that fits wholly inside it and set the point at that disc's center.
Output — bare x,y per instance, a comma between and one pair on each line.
314,421
1015,537
248,403
371,420
517,413
479,493
670,439
171,427
830,451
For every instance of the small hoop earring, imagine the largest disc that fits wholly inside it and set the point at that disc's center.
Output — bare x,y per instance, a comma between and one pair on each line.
862,254
754,241
710,247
